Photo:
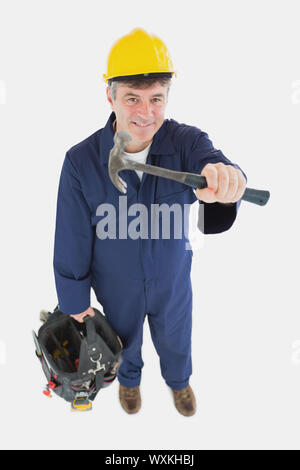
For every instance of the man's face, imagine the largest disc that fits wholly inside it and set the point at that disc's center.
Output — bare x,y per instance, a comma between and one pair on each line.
139,112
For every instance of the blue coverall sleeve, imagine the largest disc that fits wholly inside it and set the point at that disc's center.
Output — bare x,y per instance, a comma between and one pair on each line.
217,217
73,244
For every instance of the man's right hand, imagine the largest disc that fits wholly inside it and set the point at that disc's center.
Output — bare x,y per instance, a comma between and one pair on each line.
80,316
90,311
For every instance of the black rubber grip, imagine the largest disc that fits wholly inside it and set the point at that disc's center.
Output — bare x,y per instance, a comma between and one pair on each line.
195,181
256,196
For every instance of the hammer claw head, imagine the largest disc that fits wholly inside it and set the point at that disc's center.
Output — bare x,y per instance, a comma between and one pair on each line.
122,138
117,161
121,185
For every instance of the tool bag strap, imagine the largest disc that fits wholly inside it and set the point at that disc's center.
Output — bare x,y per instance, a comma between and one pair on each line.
93,350
91,337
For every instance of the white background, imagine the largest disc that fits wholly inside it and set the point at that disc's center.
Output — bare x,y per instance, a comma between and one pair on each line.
238,80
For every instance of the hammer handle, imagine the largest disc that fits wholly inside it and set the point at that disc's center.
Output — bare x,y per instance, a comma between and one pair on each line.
256,196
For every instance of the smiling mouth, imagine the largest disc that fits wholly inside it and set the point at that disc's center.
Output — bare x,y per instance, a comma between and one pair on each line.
142,126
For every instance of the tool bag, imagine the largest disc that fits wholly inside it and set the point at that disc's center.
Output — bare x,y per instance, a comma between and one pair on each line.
78,359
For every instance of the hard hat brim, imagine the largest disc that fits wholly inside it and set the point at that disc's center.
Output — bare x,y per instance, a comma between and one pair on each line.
142,75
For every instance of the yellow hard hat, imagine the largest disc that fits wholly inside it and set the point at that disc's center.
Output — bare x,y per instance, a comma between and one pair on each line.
138,53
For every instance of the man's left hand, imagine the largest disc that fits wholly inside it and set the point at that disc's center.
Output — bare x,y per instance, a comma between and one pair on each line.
225,184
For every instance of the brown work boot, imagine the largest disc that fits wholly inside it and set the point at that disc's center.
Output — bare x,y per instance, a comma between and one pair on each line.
185,401
130,399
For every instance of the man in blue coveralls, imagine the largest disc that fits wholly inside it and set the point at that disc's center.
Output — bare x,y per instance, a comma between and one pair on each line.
146,275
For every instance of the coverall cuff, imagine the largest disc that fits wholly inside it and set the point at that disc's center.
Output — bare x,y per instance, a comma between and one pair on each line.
178,385
74,296
217,217
129,383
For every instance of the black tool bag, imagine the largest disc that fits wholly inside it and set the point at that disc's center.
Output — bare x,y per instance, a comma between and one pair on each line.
78,359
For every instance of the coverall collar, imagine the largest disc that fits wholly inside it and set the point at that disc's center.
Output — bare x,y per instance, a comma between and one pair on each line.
161,144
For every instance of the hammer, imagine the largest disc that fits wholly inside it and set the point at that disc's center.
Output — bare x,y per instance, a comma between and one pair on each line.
117,162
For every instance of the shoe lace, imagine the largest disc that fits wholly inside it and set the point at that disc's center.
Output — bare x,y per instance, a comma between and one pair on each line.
130,392
183,394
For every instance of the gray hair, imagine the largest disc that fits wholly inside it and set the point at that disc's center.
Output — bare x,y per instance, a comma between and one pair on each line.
138,83
113,89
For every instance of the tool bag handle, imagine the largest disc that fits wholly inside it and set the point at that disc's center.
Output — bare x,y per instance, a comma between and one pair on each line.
91,337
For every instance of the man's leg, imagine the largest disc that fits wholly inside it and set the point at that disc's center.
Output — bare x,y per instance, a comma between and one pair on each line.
170,321
123,302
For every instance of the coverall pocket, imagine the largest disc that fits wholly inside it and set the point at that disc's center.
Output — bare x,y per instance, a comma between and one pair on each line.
175,196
